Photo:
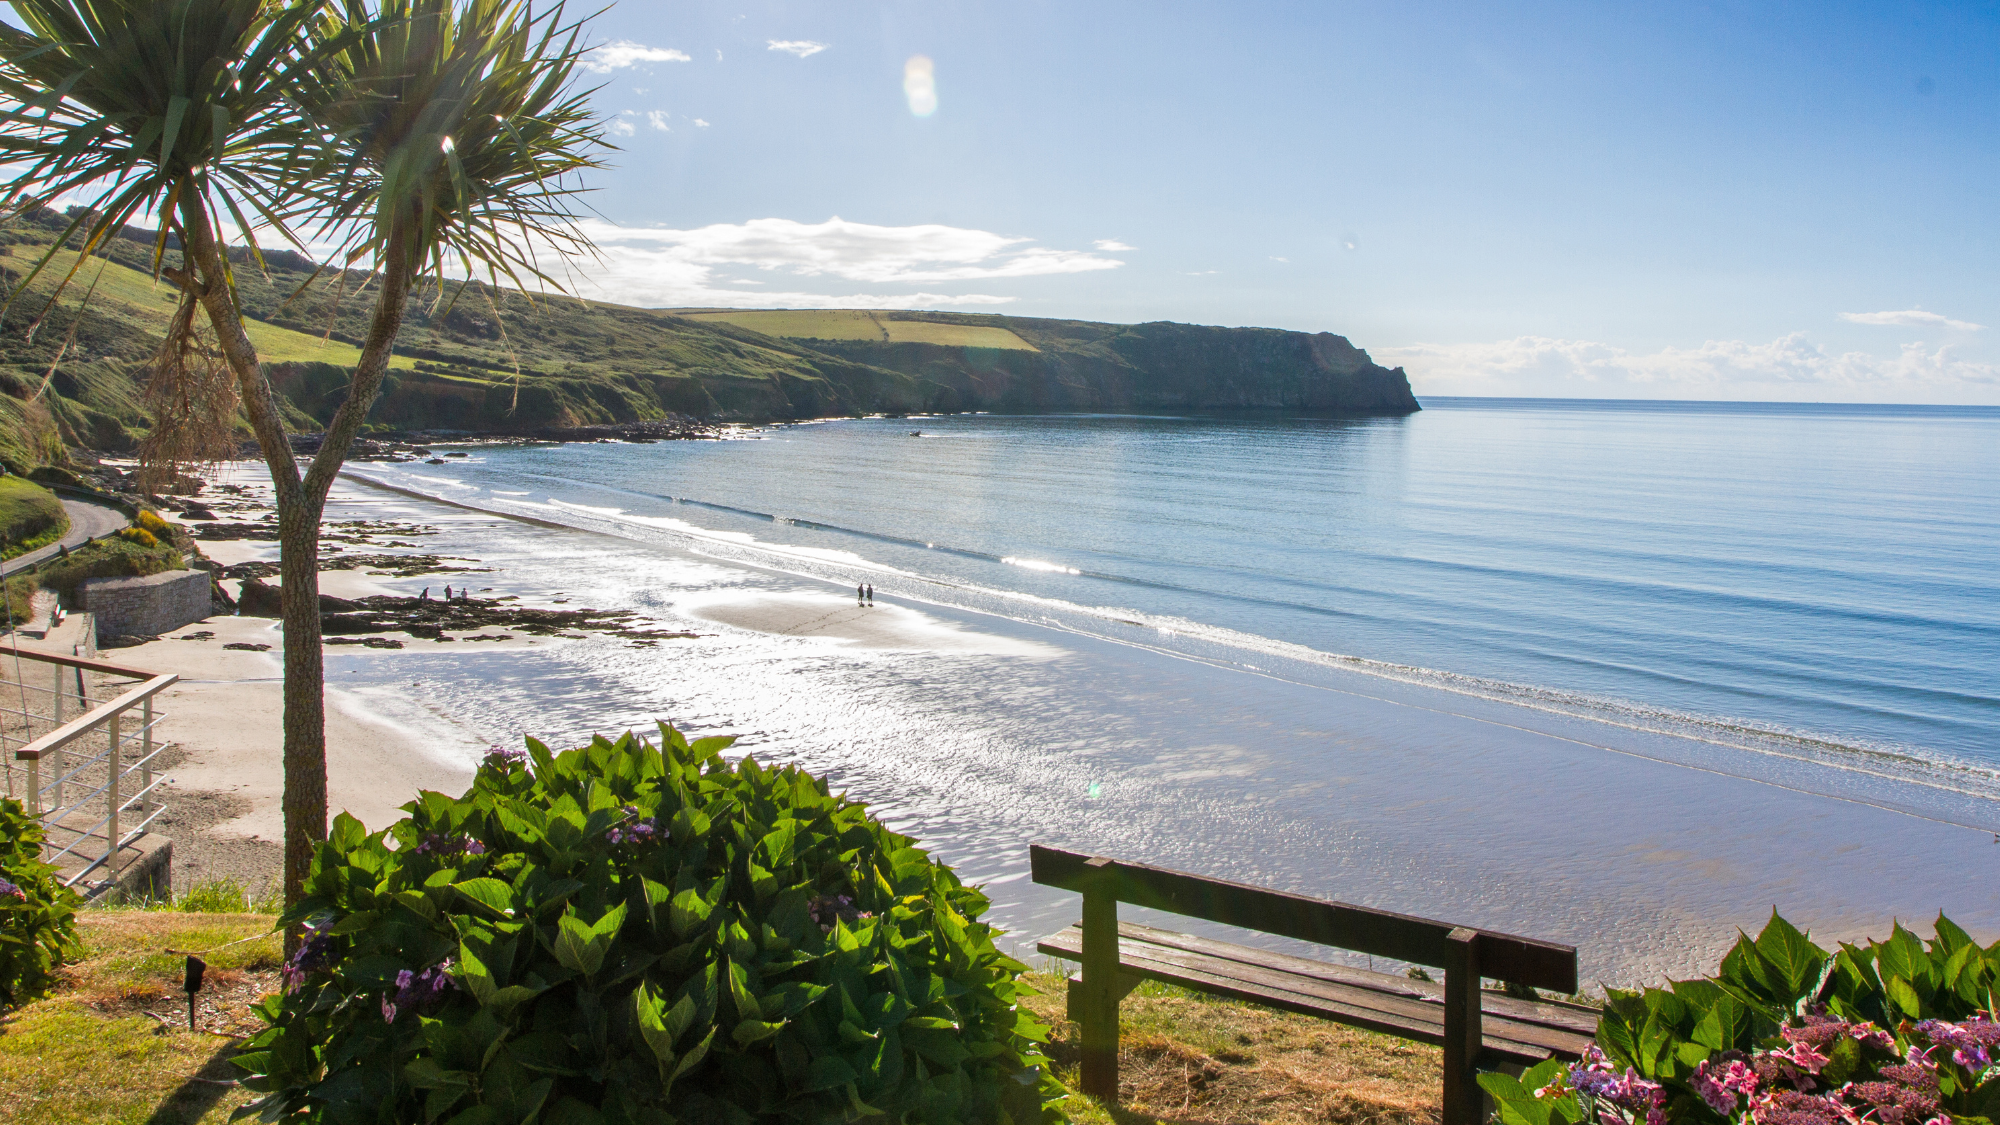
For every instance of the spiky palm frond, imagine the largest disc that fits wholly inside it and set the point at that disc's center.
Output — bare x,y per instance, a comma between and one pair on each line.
457,134
153,106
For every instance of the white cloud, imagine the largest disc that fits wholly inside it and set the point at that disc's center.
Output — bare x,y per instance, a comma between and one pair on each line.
624,53
800,47
658,118
622,128
1202,273
700,124
1111,245
1910,318
663,268
1275,258
1790,368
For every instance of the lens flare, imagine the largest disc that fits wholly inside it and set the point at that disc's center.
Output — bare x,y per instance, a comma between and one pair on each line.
920,85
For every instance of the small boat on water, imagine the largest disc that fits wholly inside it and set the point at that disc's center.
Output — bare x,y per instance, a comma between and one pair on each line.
916,433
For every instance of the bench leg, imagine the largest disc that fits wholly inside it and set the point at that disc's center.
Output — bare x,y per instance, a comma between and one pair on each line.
1097,1021
1464,1101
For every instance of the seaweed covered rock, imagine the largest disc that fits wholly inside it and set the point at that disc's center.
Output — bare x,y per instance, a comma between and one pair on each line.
639,933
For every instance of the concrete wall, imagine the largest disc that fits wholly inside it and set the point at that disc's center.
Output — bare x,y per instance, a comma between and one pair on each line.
147,607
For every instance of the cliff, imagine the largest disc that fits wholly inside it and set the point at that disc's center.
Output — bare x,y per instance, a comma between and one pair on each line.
494,360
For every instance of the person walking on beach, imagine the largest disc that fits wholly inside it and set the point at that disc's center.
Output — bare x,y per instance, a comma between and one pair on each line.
425,596
860,595
871,593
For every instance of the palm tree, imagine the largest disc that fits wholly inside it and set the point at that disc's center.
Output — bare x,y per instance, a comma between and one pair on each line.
419,131
450,135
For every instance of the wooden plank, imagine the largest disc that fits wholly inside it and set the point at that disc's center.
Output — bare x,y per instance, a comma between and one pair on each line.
1508,957
1464,1029
1394,1008
1390,1011
1577,1018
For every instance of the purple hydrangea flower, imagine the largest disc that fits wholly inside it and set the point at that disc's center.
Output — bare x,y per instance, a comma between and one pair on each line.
504,757
10,890
439,844
314,954
423,991
642,831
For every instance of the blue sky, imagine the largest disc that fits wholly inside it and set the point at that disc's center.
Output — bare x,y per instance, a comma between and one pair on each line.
1677,200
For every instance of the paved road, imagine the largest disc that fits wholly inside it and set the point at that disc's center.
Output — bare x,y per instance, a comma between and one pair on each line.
86,521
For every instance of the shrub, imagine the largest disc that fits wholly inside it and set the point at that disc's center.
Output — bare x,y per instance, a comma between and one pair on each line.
37,913
153,524
629,933
138,535
30,517
1896,1031
108,558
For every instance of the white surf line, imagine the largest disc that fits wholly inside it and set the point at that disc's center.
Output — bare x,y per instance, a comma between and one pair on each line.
1360,664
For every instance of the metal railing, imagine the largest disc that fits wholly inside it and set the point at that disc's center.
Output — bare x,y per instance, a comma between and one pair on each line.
91,778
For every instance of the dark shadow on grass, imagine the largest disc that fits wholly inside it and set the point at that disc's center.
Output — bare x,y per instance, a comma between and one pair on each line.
192,1100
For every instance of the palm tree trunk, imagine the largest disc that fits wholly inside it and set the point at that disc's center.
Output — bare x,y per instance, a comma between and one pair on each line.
301,504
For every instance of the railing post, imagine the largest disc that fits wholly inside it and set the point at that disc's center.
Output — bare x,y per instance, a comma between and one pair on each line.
34,801
147,803
1098,1019
1464,1102
59,693
114,761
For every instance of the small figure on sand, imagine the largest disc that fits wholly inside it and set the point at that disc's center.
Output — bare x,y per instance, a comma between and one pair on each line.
425,596
871,593
860,595
447,593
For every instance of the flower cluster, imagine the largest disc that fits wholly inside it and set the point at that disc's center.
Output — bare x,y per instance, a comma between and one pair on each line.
314,954
1972,1042
1784,1085
503,757
421,990
9,890
1596,1078
644,830
439,844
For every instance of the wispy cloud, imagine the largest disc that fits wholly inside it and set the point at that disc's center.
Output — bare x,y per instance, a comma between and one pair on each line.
1111,245
624,53
621,128
1790,368
658,119
1911,318
700,124
692,267
800,47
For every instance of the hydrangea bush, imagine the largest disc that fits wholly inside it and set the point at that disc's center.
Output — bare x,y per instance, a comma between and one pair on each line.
1898,1032
630,933
37,913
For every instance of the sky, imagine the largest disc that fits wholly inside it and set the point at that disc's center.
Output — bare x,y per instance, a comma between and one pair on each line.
1601,199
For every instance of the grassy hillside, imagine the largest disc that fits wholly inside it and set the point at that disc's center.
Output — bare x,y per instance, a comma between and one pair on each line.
30,516
475,358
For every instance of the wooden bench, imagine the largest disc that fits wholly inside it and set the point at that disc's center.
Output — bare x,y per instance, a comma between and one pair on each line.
1478,1029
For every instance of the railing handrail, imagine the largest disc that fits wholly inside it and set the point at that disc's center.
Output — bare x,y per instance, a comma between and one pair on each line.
70,732
83,662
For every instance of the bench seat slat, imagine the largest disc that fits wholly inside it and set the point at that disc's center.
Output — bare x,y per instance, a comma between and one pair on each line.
1553,1013
1375,1001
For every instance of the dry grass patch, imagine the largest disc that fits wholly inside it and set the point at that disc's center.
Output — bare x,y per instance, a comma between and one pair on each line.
1185,1057
112,1044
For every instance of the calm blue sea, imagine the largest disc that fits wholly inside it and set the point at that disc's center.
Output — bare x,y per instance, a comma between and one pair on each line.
1827,570
1622,654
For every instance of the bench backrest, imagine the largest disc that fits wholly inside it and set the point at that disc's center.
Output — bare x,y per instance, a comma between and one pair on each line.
1540,964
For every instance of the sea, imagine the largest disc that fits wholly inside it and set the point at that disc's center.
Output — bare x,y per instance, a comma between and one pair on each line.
1629,675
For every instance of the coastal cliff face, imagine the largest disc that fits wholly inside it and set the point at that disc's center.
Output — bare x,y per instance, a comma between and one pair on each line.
1161,366
484,360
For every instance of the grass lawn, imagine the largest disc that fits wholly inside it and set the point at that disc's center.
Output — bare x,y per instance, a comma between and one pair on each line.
1186,1057
112,1046
30,516
860,324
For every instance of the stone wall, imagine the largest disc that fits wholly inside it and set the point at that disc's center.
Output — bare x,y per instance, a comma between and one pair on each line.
147,607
